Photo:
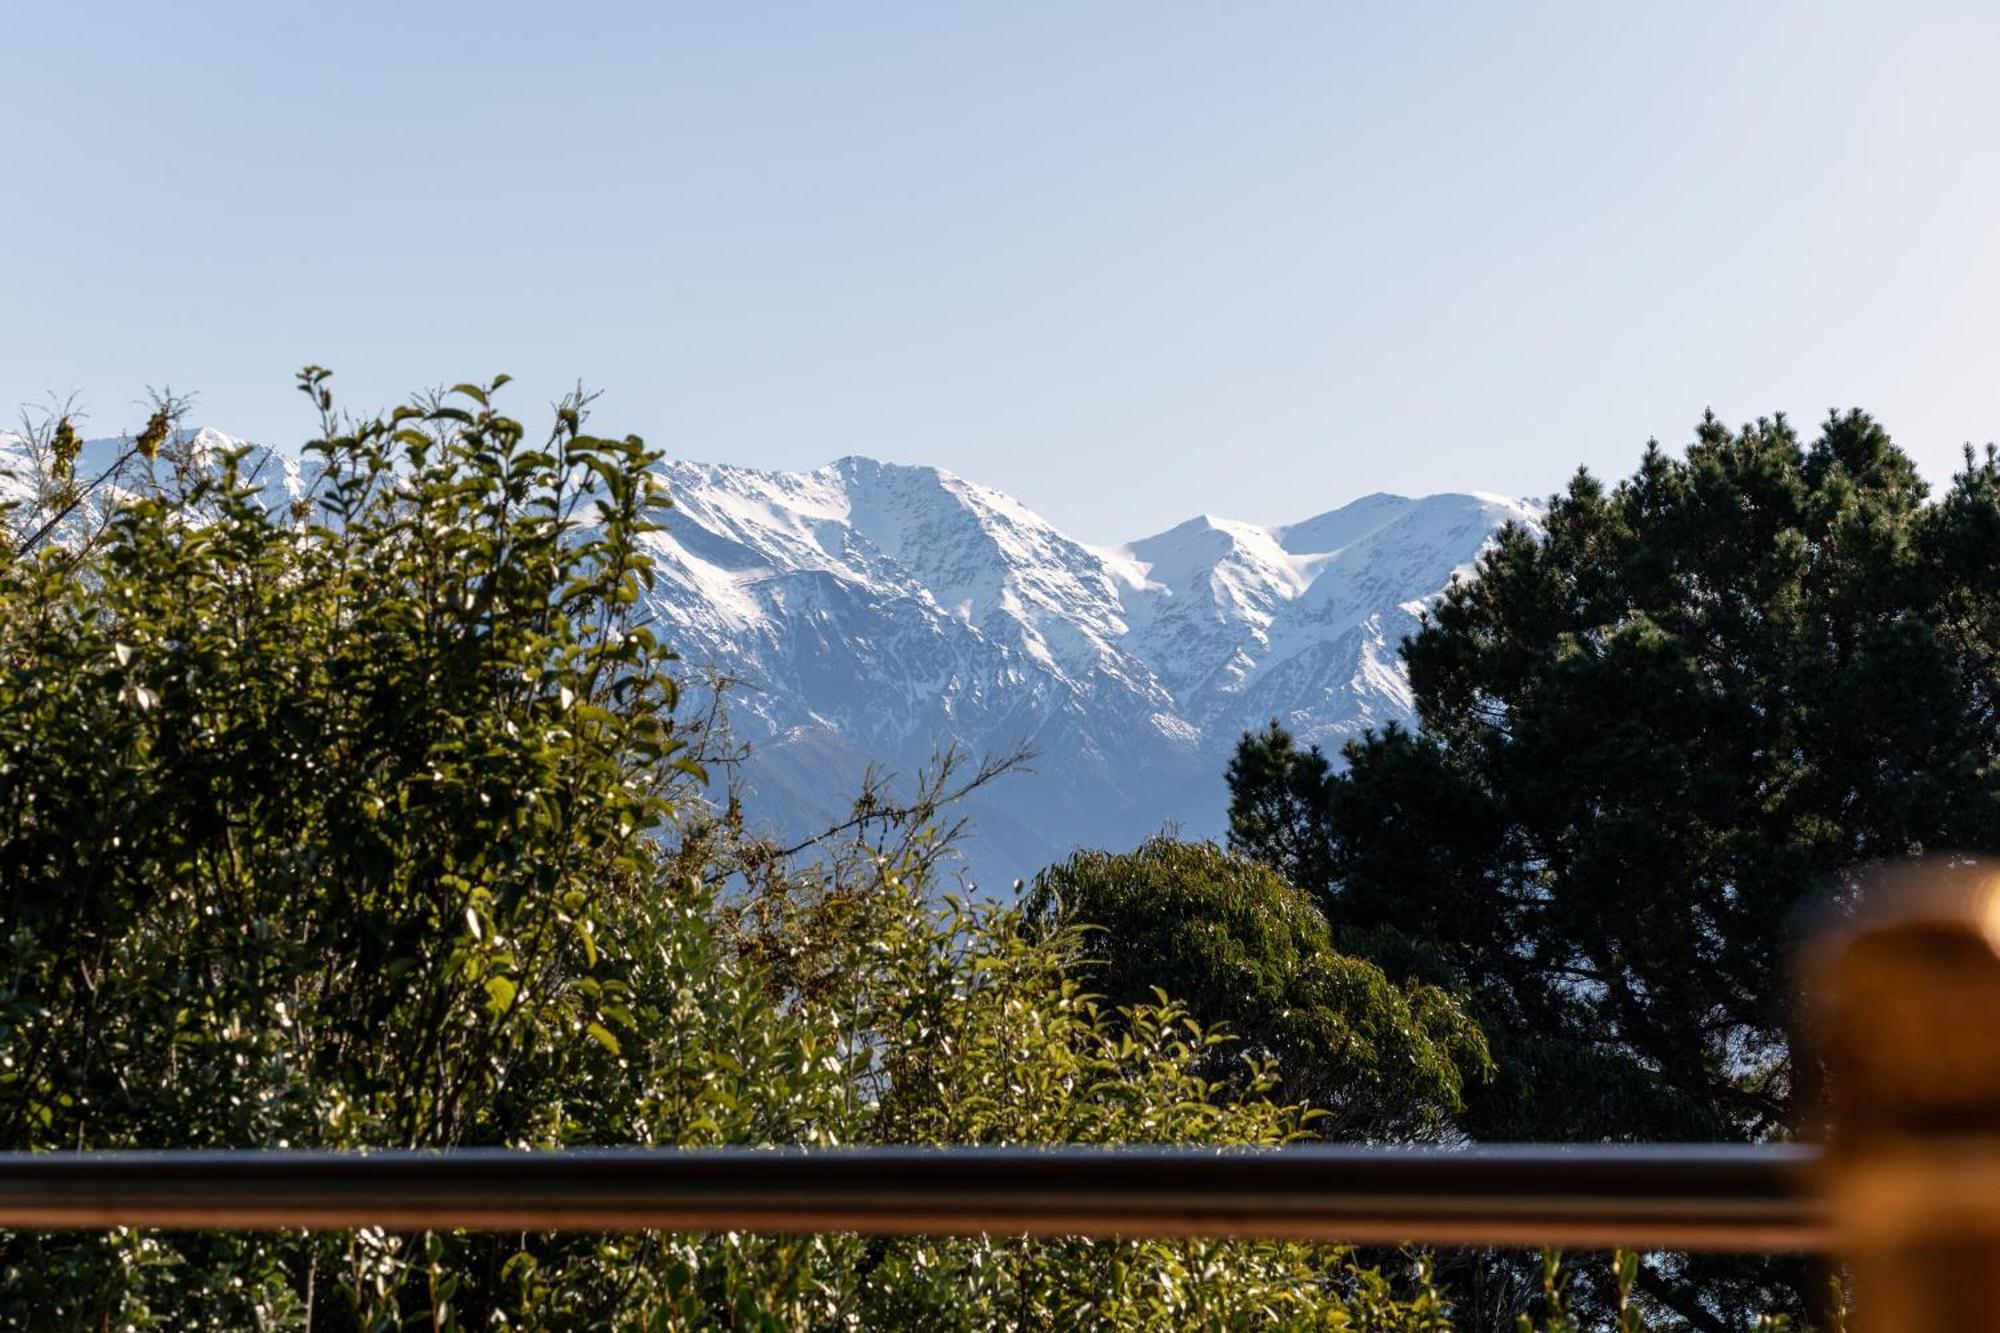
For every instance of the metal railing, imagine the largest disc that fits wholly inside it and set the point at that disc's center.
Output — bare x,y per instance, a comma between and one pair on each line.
1741,1198
1901,1004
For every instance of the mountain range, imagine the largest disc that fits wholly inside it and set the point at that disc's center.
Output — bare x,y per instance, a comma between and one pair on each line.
871,614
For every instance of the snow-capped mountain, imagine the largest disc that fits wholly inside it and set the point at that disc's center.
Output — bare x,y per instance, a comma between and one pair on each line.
874,612
100,463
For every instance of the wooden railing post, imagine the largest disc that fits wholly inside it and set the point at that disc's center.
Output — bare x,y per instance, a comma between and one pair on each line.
1903,1007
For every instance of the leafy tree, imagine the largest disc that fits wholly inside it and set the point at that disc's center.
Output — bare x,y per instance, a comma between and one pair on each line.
363,817
1242,948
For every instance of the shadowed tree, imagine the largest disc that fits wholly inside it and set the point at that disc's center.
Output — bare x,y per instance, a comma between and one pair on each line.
1277,799
1709,694
1243,949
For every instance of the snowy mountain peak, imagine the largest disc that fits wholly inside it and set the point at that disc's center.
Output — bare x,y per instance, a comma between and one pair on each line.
874,612
280,477
1341,527
879,609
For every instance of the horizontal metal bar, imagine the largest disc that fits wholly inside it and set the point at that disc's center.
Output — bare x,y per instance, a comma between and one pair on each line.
1671,1197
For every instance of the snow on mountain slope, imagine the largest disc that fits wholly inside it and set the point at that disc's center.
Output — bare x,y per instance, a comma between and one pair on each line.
875,612
280,477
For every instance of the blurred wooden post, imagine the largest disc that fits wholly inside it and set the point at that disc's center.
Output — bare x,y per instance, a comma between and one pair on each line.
1904,1007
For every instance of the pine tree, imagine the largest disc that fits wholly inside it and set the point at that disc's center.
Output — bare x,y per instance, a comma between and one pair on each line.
1651,740
1277,797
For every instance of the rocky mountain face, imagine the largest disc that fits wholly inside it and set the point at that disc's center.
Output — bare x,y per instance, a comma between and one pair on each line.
875,612
872,614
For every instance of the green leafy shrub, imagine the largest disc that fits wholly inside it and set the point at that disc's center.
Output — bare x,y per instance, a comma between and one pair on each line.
366,820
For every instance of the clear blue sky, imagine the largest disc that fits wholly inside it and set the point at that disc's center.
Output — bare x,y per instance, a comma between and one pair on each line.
1128,261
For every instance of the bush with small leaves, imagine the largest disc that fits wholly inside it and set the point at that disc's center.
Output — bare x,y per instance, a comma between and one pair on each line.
364,819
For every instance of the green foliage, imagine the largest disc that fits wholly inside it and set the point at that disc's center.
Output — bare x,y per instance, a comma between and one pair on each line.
1555,1307
1710,692
364,819
1556,1316
1708,696
1623,1314
344,797
1277,793
1242,948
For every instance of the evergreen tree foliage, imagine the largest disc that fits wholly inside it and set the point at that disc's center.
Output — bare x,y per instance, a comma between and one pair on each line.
1706,697
1276,791
1706,694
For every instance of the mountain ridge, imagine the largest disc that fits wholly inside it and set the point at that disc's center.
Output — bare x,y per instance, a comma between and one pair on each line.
878,610
871,614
